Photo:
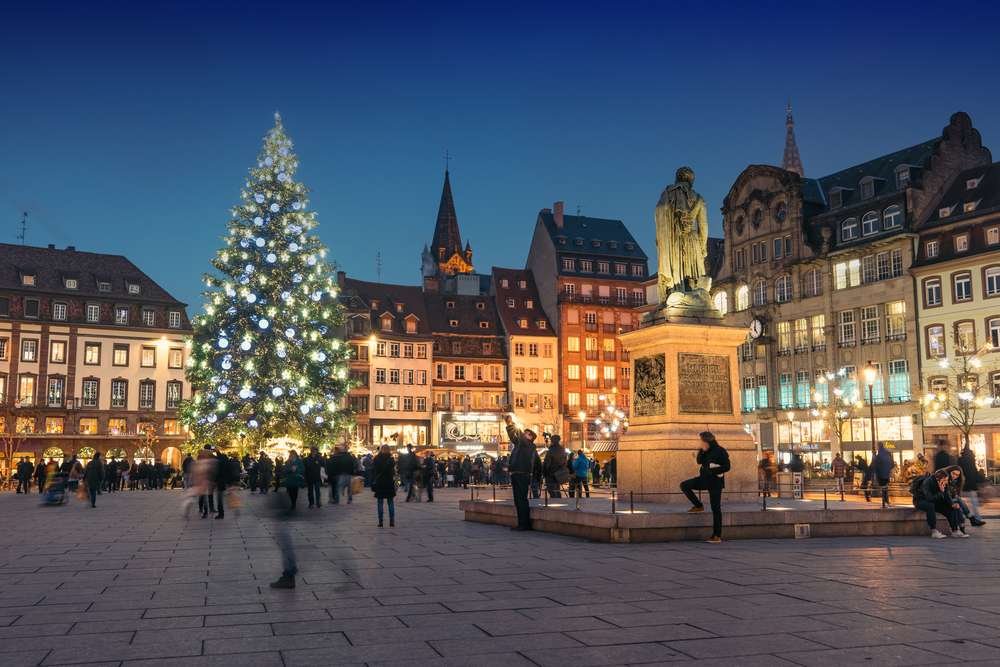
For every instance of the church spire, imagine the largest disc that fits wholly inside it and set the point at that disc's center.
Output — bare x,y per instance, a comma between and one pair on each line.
447,240
791,160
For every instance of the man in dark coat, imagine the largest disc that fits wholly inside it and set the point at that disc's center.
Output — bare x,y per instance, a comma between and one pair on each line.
554,467
265,470
521,464
942,457
24,470
714,462
93,477
314,480
881,469
40,474
223,477
970,489
430,472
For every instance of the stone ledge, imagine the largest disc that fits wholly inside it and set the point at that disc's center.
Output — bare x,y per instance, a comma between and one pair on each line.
678,526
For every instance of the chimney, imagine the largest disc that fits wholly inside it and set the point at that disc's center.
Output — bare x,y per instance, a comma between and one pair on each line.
71,248
52,246
557,214
341,278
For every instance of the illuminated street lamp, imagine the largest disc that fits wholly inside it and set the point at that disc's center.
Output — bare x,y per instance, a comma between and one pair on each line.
871,375
582,416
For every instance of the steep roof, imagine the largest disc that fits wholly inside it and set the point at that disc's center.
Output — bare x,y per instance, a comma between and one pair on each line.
511,316
615,241
446,234
985,195
401,301
883,168
469,313
51,267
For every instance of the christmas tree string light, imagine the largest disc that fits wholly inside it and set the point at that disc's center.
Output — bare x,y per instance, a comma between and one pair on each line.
265,360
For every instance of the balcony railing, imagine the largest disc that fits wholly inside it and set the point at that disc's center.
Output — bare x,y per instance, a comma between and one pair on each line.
608,328
871,340
847,343
895,337
609,356
592,355
590,326
819,347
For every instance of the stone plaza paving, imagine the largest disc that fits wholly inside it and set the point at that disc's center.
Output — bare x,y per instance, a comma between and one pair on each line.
135,583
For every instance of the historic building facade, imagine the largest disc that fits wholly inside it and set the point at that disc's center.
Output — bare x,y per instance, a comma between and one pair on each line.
817,268
957,276
92,356
590,274
391,362
531,343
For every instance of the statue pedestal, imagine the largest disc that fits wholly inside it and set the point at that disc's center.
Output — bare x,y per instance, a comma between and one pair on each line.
684,381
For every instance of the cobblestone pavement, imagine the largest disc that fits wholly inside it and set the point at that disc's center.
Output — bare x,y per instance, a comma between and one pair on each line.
135,583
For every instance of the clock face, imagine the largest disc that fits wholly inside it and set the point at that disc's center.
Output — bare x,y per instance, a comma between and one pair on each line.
756,329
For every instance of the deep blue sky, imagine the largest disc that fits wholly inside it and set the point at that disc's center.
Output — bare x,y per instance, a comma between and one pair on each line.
128,128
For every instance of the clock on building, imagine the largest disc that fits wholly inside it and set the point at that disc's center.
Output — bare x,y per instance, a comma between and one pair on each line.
756,328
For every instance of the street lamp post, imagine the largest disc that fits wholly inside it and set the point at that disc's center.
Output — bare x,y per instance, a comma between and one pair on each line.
871,375
583,427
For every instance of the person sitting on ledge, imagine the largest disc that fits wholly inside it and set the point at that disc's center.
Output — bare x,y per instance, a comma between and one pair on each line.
931,495
714,462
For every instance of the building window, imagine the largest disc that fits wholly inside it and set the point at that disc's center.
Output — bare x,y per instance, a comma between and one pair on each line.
801,332
569,264
932,292
26,390
869,223
31,308
459,372
869,324
119,355
802,393
962,286
895,320
849,229
90,387
29,350
57,352
92,354
847,274
175,358
4,306
147,357
899,381
749,403
174,391
59,311
867,188
119,393
935,341
993,327
638,270
93,312
962,243
760,293
573,372
121,315
148,318
394,350
55,393
742,297
721,302
586,266
965,337
931,249
785,397
892,217
174,319
147,392
28,279
393,376
778,246
783,289
847,327
902,177
379,376
620,269
132,288
3,353
993,236
818,328
811,283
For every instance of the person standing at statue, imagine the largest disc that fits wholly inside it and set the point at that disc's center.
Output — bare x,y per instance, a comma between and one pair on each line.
714,462
521,464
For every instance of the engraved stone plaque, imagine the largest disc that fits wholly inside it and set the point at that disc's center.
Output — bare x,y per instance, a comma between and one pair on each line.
650,386
704,384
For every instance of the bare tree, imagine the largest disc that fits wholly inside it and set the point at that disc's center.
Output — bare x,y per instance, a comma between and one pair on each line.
958,392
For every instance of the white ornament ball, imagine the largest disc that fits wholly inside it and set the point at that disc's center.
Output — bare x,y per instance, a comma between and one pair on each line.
271,258
244,393
223,343
274,208
293,247
260,242
269,161
277,391
227,363
263,323
251,298
245,346
259,198
304,409
290,332
259,221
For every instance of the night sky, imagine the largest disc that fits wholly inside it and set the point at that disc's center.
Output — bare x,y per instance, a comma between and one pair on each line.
129,128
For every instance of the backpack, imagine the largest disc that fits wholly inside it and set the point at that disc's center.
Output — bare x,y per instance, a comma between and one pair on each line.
916,484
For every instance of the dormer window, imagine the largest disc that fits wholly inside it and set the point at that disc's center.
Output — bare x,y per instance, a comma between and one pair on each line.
836,198
529,304
28,279
867,187
411,325
399,307
993,236
596,243
561,240
522,284
614,245
973,183
945,211
484,325
902,177
374,304
449,304
504,284
542,324
103,286
849,229
523,323
970,206
510,302
387,323
453,324
578,241
961,243
71,283
931,249
132,288
480,305
586,265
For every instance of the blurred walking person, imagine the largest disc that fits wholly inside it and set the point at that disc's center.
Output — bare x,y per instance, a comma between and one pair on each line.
384,484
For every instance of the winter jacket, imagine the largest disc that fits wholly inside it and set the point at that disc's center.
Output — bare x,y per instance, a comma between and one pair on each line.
522,452
967,461
942,459
931,492
313,464
384,476
341,463
882,464
293,474
714,463
839,468
93,475
581,466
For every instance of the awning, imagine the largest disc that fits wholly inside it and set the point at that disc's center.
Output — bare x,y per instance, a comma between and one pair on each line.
603,446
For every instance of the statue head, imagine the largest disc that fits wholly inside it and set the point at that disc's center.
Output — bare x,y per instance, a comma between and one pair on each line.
685,175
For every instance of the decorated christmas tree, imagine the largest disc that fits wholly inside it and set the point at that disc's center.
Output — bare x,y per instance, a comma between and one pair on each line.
265,359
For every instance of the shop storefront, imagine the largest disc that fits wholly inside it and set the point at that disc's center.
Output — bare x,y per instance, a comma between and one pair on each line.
471,432
400,434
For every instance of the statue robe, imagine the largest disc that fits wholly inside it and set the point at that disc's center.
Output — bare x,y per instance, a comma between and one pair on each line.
681,237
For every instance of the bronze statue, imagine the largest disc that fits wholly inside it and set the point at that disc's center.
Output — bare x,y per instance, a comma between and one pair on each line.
681,235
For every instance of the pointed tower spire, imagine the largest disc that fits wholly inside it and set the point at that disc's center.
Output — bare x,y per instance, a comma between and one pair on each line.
791,160
446,245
